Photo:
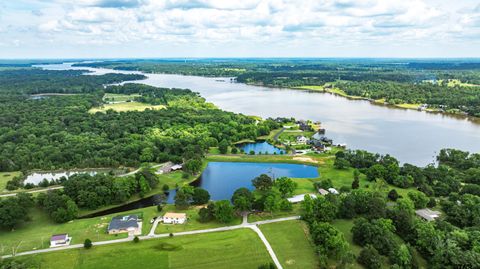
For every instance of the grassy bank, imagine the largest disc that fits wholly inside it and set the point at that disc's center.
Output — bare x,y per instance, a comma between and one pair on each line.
233,249
290,241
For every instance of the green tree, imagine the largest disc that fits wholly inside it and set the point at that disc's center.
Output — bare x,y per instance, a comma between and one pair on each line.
200,196
182,199
370,258
419,199
223,146
262,182
224,211
87,244
286,186
341,163
375,172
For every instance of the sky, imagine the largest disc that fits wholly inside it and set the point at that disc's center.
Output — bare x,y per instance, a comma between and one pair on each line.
246,28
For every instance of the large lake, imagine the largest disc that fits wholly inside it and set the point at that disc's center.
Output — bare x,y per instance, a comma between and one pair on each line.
411,136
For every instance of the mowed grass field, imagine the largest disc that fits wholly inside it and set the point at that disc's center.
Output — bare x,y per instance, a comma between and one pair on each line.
192,222
231,249
35,234
127,106
5,177
289,240
114,97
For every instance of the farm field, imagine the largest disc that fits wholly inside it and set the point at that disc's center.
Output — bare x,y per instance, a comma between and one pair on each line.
232,249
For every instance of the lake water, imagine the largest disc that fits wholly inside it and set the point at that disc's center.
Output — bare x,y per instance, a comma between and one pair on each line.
221,179
260,148
409,135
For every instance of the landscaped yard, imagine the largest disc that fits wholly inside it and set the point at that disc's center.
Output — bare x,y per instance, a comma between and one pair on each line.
192,222
127,106
5,177
289,240
36,233
233,249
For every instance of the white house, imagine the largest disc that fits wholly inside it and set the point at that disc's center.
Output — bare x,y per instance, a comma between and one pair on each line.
299,198
333,191
427,214
174,218
59,240
302,139
322,191
176,167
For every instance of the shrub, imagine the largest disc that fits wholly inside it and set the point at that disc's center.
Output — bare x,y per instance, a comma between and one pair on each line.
87,244
136,239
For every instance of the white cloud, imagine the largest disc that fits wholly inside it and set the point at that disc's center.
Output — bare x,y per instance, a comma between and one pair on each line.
276,22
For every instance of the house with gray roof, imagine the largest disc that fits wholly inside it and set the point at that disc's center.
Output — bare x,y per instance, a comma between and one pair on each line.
130,224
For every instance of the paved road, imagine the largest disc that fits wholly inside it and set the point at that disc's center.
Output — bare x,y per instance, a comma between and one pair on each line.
152,235
275,137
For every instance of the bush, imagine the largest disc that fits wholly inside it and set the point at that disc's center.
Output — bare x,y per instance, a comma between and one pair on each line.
370,258
159,208
393,195
165,188
136,239
87,244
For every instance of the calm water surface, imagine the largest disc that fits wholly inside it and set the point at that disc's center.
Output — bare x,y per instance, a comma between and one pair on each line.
260,148
221,179
411,136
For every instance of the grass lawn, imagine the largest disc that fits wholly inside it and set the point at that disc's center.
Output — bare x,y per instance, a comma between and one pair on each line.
192,223
233,249
259,216
5,177
129,106
36,233
290,241
113,97
271,135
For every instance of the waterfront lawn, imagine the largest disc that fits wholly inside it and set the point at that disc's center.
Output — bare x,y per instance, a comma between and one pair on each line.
127,106
192,222
36,233
232,249
5,177
291,243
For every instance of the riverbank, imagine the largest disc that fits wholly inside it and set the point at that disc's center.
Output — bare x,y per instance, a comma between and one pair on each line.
383,102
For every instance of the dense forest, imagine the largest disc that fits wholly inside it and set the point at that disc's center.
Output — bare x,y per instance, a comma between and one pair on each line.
395,81
452,241
53,132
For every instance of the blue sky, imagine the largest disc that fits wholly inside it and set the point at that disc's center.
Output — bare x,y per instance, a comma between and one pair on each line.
247,28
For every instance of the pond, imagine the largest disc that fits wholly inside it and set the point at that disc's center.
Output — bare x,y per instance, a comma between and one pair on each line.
409,135
260,148
221,179
37,177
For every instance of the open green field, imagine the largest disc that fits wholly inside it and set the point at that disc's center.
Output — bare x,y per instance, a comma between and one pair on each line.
114,97
192,223
127,106
233,249
259,216
5,177
289,240
36,233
